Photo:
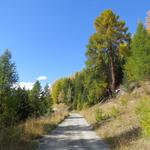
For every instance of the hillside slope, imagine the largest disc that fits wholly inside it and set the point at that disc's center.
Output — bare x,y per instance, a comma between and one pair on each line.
118,121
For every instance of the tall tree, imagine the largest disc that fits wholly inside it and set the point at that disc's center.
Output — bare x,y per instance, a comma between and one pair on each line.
46,99
8,77
22,104
35,97
110,34
8,74
69,95
148,21
56,89
138,63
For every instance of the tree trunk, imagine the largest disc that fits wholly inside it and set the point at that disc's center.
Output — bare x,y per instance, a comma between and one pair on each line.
112,70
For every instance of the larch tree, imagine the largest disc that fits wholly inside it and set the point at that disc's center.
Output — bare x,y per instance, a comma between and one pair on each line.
148,22
56,89
110,34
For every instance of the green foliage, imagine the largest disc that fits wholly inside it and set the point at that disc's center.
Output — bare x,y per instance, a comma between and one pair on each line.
47,99
18,104
11,136
40,100
99,116
143,111
22,104
35,97
95,92
107,48
113,112
137,67
60,89
106,54
8,77
69,95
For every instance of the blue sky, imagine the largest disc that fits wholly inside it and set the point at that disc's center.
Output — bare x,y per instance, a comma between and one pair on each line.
49,37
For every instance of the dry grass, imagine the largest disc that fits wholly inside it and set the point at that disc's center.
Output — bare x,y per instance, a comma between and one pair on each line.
121,132
35,128
23,136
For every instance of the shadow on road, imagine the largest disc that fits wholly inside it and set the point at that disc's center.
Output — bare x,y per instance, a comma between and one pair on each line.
72,134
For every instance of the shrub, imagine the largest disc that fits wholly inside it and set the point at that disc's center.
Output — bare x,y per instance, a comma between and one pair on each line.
99,115
11,139
114,112
143,112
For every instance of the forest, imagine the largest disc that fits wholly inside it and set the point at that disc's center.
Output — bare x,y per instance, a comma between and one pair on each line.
17,104
115,59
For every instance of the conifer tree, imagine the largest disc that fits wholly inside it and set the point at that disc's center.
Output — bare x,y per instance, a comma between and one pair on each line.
103,50
35,97
46,99
22,104
148,22
8,77
138,63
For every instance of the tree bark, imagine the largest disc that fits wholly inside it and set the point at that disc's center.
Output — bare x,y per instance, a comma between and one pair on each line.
112,70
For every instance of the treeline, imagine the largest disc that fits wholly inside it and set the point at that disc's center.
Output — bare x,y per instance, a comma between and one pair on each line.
17,104
114,57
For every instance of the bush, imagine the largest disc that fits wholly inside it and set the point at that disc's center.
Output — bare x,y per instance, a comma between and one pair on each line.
99,115
9,135
143,111
11,139
114,112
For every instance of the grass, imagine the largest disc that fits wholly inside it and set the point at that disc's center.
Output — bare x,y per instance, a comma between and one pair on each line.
143,112
98,115
114,112
22,137
122,129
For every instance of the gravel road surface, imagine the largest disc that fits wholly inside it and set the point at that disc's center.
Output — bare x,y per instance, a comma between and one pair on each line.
74,133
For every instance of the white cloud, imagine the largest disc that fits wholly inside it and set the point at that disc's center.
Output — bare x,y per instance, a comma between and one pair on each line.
26,85
41,78
29,85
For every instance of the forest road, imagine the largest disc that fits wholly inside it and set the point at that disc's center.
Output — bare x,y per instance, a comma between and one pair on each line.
74,133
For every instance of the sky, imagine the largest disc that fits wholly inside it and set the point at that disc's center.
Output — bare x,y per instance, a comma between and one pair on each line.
48,38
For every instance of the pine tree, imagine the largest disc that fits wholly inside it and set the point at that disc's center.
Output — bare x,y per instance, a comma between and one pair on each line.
138,63
8,74
46,99
22,104
103,49
35,97
8,77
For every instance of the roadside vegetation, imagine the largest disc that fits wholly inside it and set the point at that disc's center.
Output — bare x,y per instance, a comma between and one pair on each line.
24,136
127,125
25,115
113,88
114,58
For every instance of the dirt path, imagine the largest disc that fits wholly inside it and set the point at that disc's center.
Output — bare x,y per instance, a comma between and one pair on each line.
74,133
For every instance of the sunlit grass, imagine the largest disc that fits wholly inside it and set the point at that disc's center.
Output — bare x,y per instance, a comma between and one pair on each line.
123,129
